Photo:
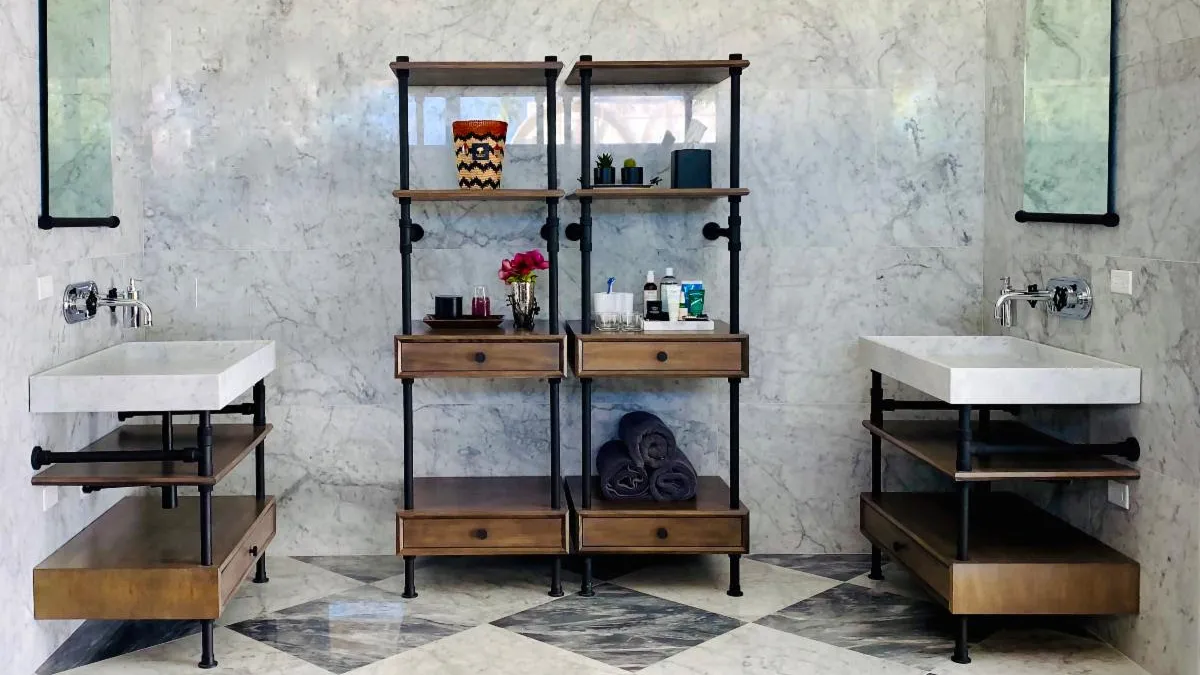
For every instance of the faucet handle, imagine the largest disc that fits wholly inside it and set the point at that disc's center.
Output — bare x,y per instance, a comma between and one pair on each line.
133,282
1005,284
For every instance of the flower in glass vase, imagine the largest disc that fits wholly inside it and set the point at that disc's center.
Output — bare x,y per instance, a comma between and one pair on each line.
520,273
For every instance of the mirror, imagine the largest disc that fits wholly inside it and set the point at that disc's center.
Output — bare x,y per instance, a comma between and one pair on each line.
1067,122
76,114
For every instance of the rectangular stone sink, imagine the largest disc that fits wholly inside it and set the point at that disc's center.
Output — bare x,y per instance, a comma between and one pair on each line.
154,376
1000,370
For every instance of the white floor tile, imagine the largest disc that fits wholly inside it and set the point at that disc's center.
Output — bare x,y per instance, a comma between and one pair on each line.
291,583
896,580
1042,652
236,655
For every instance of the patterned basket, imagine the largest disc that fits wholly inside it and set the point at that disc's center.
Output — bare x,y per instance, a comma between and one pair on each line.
479,152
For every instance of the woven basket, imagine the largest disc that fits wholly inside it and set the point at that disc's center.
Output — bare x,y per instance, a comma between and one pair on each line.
479,152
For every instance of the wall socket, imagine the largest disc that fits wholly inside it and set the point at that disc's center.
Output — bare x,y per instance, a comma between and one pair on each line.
49,497
1118,494
1120,282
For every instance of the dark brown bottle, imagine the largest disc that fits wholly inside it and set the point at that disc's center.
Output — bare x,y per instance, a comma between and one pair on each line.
649,294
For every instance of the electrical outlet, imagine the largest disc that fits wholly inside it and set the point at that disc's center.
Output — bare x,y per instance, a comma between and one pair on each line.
1118,494
1121,282
45,287
49,497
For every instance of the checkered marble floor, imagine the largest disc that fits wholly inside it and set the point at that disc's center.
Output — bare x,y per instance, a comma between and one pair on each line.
800,614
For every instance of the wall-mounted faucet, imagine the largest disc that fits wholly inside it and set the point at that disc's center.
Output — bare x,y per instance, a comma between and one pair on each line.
1065,297
82,300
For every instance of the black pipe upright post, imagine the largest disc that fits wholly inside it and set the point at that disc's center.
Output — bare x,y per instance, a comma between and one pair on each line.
735,248
260,469
204,444
552,248
170,494
585,203
876,466
962,551
406,240
965,439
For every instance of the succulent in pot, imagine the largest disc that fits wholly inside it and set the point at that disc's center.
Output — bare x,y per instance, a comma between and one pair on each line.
604,173
631,173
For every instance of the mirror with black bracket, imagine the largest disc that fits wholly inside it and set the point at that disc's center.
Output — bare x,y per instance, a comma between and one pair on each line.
76,114
1069,115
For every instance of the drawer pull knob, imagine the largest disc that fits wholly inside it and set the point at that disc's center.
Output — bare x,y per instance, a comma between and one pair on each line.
661,356
253,551
479,534
898,546
661,533
480,357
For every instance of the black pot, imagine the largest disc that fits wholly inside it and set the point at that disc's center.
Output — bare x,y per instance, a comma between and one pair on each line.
631,175
604,176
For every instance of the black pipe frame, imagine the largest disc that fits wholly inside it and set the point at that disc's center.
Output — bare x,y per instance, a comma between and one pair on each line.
876,466
552,246
585,296
246,409
734,235
41,458
204,440
46,221
260,470
170,494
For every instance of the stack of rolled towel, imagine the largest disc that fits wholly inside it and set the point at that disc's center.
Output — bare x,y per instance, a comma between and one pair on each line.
644,462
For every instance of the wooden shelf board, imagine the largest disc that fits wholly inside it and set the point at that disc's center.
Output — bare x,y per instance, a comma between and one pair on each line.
712,499
658,193
141,561
935,443
720,334
231,444
1004,530
656,72
485,496
476,73
460,195
505,333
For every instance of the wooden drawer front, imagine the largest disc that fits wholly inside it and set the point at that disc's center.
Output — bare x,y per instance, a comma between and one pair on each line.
681,358
478,359
906,550
450,535
724,534
248,551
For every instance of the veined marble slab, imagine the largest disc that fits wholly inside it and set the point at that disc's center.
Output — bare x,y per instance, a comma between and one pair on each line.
1000,370
153,376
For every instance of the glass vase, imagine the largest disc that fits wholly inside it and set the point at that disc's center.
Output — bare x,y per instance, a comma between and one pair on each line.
524,305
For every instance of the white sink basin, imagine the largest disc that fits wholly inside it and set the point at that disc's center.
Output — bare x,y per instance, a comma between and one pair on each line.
154,376
1000,370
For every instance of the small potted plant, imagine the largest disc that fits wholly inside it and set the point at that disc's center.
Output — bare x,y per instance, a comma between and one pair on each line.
631,173
520,273
604,173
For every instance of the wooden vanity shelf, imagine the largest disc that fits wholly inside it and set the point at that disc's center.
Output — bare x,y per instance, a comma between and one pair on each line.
500,352
700,71
712,353
141,561
658,193
1022,559
482,516
459,195
231,444
705,524
936,444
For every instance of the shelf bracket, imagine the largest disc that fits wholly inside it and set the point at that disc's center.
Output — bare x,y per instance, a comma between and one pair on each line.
574,231
713,231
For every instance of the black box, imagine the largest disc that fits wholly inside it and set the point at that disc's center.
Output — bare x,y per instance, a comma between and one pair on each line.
691,168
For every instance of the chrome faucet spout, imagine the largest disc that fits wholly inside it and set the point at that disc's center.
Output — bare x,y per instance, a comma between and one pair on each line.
141,315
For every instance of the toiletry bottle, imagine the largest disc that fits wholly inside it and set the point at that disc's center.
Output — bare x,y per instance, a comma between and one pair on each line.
671,294
649,294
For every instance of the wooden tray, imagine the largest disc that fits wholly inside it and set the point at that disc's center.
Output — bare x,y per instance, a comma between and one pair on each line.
467,322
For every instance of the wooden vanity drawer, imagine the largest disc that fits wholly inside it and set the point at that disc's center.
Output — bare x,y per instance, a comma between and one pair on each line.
465,535
905,549
246,553
682,358
479,359
711,534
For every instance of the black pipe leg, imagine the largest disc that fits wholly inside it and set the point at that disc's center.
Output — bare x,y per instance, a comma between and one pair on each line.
207,659
960,642
556,590
260,570
876,564
585,588
735,576
410,577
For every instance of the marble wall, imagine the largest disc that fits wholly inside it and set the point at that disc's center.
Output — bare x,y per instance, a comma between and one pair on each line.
34,337
272,151
1155,329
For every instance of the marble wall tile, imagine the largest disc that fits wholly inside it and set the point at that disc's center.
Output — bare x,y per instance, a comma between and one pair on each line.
1148,24
19,203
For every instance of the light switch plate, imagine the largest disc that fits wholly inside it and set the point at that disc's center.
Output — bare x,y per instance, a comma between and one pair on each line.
1121,282
45,287
1118,494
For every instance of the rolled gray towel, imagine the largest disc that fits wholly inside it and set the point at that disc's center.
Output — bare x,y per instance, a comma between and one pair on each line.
674,481
620,476
650,442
